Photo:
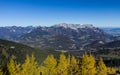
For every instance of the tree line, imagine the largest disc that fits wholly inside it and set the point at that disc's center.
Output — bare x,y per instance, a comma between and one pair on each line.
65,65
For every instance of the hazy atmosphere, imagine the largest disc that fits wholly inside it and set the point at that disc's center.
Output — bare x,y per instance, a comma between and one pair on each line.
100,13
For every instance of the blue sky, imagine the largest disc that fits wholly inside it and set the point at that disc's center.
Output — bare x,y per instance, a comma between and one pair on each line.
100,13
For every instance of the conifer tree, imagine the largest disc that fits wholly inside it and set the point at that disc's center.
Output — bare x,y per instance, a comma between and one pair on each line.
92,66
13,68
88,65
62,68
84,64
49,64
30,67
101,68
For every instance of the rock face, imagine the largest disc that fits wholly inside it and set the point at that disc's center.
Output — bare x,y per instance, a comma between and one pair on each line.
64,36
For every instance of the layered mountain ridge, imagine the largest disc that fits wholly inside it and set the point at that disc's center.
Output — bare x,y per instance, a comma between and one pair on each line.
64,36
14,32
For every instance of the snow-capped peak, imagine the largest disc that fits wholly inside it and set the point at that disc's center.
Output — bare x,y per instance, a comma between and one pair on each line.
74,26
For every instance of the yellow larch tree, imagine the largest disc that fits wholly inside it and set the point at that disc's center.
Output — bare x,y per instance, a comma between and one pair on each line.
84,63
49,66
101,68
13,68
62,68
92,65
30,66
88,65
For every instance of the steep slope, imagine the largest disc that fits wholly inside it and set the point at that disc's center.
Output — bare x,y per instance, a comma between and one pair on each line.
17,51
64,36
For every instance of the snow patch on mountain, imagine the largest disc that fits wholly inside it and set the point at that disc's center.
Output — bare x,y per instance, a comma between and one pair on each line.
74,26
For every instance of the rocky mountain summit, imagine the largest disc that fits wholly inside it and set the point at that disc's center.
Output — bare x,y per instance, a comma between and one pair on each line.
74,26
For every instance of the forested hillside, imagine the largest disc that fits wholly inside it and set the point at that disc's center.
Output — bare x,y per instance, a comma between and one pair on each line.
18,52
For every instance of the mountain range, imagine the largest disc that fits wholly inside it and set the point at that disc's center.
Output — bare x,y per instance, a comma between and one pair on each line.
61,36
14,32
65,36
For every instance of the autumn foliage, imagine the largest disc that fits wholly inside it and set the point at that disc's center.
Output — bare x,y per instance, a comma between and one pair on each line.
63,66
